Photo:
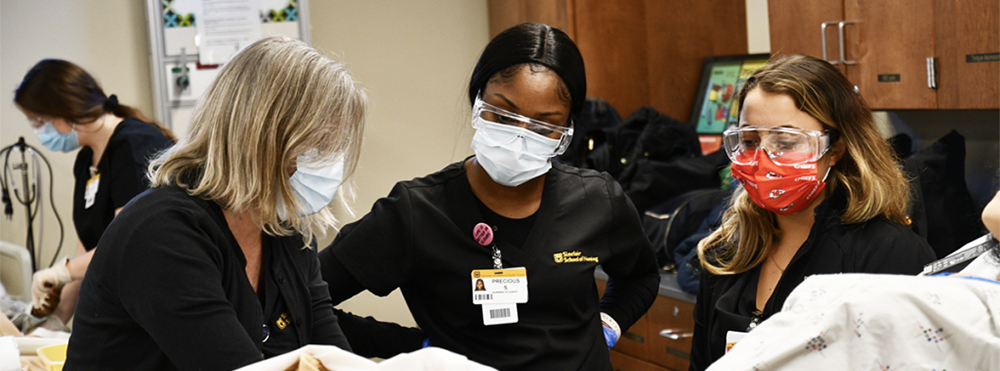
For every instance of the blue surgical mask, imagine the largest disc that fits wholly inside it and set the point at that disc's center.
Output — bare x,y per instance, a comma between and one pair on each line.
314,187
52,139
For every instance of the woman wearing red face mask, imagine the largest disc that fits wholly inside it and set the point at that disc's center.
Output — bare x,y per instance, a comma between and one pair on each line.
821,193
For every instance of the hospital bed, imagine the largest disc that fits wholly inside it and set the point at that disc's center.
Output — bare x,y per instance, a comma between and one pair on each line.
15,270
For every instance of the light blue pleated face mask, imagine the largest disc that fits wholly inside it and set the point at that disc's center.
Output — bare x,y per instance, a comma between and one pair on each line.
314,187
52,139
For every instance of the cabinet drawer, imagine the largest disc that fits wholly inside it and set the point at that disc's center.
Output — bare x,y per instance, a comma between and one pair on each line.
670,324
621,362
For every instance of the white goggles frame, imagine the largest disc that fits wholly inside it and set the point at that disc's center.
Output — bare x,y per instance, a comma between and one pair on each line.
535,126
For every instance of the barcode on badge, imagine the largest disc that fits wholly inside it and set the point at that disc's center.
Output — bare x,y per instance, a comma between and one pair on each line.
484,296
499,313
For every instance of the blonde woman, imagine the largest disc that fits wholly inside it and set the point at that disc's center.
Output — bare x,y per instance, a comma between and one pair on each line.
821,193
210,268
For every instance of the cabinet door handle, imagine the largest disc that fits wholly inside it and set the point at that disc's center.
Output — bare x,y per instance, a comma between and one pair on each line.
822,30
932,73
840,32
675,334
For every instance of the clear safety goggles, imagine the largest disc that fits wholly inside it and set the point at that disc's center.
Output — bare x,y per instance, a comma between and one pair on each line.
37,122
783,145
501,116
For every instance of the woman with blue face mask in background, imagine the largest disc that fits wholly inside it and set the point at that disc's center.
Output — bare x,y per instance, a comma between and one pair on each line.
68,110
533,230
211,269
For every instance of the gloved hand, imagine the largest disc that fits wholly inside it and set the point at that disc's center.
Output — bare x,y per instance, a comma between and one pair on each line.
45,280
611,330
49,303
610,336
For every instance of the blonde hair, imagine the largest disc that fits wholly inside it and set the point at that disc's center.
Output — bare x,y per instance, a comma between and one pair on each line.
273,101
868,174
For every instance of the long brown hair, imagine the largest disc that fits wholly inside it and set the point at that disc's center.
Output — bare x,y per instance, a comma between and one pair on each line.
58,88
868,174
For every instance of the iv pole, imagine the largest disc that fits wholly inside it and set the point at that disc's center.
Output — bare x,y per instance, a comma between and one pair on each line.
29,196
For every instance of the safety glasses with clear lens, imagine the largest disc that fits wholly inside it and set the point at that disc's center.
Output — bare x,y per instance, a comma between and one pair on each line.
37,122
501,116
783,145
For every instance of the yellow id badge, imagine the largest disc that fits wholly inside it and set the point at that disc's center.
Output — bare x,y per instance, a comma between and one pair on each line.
500,286
90,193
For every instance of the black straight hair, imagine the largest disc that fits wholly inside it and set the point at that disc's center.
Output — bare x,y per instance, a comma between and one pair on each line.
533,43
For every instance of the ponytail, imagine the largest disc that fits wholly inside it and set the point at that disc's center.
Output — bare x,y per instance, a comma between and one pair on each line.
111,105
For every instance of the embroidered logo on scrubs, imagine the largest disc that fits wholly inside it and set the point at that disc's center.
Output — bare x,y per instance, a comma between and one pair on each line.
283,320
573,257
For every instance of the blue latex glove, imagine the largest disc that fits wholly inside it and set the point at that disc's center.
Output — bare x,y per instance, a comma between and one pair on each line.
610,337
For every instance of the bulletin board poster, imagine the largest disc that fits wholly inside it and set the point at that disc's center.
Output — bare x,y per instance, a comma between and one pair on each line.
716,106
218,25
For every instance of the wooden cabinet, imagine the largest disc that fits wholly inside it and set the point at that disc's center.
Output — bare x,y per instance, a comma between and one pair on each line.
887,44
622,362
638,52
964,31
671,324
660,340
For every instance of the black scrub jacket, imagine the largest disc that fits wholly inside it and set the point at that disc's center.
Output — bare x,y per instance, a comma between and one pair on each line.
168,290
727,303
122,170
419,239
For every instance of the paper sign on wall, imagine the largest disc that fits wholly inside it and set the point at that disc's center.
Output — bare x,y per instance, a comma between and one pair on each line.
225,26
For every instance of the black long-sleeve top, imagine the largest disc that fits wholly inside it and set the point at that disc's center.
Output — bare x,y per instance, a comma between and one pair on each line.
168,290
727,303
419,239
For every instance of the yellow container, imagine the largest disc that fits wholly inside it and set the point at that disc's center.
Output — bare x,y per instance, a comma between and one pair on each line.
53,356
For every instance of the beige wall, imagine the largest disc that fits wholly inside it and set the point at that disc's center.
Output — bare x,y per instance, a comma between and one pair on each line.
758,35
415,58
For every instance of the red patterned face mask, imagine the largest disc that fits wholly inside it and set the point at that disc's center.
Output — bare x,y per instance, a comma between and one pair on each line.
782,189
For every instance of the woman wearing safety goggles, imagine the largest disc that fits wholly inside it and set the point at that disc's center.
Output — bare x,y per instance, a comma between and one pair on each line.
69,111
821,193
533,230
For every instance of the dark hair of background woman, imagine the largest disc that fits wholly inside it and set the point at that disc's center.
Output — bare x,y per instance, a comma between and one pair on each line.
533,43
59,88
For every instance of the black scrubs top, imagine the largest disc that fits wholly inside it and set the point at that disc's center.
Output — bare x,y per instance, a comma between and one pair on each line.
280,335
168,290
122,172
419,239
727,303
